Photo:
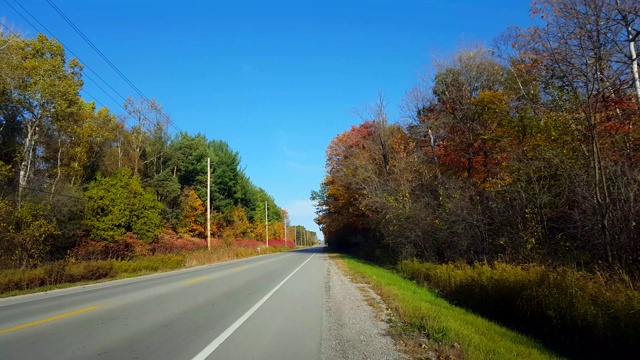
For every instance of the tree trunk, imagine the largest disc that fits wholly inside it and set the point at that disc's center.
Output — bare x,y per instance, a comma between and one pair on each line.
27,157
631,38
55,182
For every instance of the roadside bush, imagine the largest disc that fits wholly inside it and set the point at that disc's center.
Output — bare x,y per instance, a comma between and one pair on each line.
55,273
11,280
122,248
25,234
281,243
97,270
578,314
120,204
149,264
171,243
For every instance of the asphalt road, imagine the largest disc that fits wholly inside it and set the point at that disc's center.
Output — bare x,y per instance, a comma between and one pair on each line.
267,307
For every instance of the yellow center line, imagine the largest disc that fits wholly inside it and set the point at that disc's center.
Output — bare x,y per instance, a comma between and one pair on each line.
195,280
239,268
53,318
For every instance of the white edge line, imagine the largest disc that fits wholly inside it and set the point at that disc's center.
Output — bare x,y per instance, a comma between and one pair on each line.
225,334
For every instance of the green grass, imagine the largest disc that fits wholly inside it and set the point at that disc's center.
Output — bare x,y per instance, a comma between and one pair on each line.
446,325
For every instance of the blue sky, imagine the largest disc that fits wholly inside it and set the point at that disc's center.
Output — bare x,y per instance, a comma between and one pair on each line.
277,80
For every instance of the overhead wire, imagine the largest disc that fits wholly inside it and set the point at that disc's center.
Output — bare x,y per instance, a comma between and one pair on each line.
70,51
10,31
106,59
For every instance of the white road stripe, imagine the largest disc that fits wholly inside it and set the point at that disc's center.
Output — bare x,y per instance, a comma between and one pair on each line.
202,355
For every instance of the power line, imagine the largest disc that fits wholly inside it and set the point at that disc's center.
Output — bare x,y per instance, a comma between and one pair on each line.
94,99
94,47
83,89
70,51
104,57
85,65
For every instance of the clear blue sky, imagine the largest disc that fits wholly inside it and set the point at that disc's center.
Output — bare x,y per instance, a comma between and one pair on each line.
277,80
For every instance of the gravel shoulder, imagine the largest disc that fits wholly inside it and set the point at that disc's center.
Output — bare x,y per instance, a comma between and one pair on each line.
351,328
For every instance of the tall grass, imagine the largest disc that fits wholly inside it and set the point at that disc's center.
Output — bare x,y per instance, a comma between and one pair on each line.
224,253
449,329
72,271
577,314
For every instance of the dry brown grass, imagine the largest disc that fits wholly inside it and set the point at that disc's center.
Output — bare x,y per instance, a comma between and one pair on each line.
224,253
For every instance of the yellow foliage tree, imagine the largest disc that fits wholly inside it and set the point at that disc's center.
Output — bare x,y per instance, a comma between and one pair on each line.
240,224
192,214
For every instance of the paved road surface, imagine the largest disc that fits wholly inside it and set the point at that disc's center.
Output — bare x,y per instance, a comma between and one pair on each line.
268,307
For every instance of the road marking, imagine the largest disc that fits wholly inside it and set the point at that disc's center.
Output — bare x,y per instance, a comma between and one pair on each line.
53,318
202,355
195,280
239,268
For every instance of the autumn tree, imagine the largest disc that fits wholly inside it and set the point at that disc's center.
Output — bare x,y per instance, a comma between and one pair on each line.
585,77
43,95
193,214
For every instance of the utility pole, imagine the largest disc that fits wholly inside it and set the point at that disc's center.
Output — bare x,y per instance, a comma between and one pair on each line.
284,225
266,222
209,204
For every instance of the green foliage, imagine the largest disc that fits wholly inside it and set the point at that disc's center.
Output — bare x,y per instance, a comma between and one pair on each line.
5,172
576,313
168,190
189,159
226,175
24,233
119,204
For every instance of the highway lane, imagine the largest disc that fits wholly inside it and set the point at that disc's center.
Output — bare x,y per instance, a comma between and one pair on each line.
265,307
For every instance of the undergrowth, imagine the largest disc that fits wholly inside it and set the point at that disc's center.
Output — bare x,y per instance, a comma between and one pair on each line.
71,270
577,314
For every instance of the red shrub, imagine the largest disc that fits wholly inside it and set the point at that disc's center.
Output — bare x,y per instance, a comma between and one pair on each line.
171,243
281,243
123,248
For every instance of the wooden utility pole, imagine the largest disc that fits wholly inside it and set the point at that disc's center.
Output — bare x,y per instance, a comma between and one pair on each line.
209,204
284,225
266,222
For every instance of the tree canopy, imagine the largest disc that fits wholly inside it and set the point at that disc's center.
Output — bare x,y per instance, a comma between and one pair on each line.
524,152
76,172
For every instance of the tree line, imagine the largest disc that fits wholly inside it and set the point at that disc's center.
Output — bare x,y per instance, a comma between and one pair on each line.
525,151
70,171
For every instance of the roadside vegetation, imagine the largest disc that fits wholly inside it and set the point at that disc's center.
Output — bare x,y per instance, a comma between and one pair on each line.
430,327
88,192
176,253
510,184
581,315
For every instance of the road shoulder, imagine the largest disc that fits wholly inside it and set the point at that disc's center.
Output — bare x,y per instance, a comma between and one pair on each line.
354,320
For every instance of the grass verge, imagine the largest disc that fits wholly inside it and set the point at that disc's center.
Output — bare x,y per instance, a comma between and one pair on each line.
432,328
